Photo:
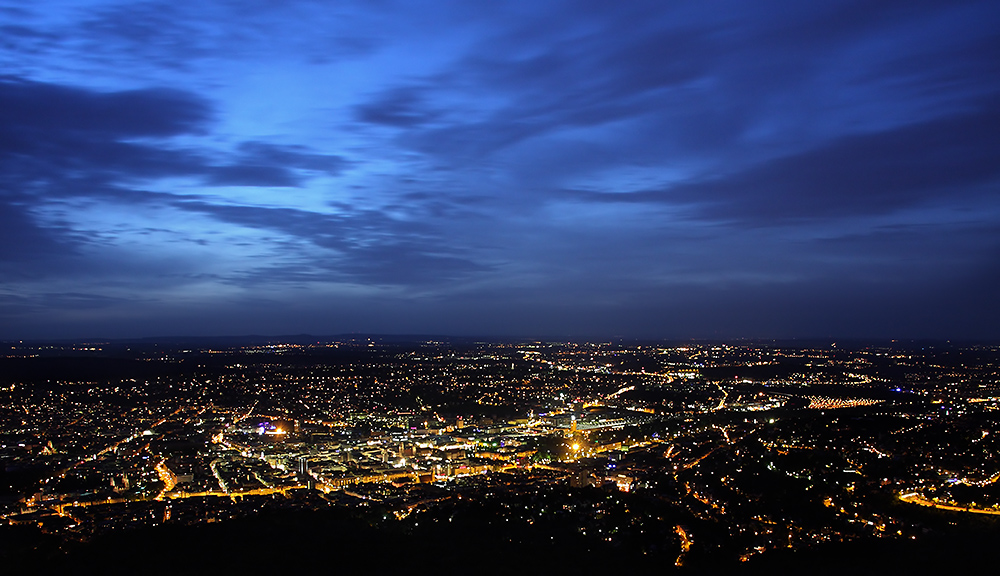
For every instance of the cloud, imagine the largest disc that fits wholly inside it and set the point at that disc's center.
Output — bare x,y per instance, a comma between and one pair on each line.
66,152
263,164
291,156
251,175
23,242
687,89
587,164
59,141
63,144
57,133
181,35
402,107
856,175
364,246
70,140
53,109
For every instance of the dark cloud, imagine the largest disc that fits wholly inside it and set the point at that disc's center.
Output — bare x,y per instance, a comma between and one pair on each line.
251,175
38,107
16,305
176,35
857,175
366,246
61,145
263,164
149,29
291,156
12,33
79,301
140,40
720,85
713,169
400,108
409,262
23,242
58,140
57,134
567,86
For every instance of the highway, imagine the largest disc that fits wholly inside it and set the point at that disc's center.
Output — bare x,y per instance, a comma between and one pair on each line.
915,498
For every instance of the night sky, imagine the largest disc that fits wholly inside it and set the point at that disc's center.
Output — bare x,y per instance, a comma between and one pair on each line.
577,169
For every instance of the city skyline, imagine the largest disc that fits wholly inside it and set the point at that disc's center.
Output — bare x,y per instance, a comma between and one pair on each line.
744,458
557,169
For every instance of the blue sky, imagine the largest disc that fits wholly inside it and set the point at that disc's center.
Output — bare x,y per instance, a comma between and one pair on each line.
554,169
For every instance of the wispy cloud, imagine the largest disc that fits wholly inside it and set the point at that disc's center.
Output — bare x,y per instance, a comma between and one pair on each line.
586,164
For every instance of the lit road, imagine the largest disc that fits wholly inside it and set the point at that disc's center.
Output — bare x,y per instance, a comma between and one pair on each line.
167,477
110,447
235,493
914,498
725,396
218,477
685,544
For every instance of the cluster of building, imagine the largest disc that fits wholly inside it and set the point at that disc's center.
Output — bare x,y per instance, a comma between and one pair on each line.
749,448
